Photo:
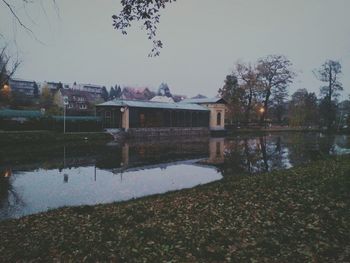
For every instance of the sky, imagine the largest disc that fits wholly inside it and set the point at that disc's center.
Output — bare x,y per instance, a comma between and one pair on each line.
203,39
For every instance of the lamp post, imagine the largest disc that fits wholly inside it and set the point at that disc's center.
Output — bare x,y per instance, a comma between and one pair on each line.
65,103
262,111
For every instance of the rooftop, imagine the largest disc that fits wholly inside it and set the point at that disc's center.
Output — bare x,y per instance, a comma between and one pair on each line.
204,100
154,105
13,80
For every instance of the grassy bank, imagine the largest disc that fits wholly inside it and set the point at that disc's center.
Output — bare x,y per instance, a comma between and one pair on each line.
282,130
297,215
32,137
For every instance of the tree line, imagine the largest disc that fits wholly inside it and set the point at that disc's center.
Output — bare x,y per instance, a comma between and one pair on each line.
258,93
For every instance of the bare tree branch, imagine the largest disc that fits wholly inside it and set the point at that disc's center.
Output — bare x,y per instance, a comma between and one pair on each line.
16,17
18,20
5,72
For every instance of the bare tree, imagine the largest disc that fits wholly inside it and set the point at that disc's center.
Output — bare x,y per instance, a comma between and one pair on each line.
145,11
329,73
7,69
247,77
274,76
234,95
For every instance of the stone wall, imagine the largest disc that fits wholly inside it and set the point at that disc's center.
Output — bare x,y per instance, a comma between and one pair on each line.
167,132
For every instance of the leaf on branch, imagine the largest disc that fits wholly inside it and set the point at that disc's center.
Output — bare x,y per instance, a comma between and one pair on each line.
146,11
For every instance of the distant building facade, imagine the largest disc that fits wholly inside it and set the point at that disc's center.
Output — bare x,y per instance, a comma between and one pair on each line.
55,86
95,91
78,101
25,87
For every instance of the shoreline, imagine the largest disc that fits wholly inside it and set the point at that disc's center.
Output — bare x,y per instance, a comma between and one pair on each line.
299,214
29,137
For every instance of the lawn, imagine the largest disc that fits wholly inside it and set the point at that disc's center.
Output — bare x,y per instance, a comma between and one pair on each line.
296,215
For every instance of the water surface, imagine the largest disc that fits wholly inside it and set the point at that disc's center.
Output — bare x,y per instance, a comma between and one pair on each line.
36,178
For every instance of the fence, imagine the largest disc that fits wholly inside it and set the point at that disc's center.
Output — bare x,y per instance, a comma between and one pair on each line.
34,120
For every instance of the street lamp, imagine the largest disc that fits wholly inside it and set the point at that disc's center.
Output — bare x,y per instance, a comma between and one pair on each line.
65,103
262,110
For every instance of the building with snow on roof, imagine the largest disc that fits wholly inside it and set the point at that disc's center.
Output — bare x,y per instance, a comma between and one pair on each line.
153,118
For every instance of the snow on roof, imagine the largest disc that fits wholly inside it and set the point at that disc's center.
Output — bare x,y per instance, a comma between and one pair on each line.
153,105
203,100
162,99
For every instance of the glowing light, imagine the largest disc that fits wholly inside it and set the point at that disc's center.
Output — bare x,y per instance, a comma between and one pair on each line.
262,110
6,87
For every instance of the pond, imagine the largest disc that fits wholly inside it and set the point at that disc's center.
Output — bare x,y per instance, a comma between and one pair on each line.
41,177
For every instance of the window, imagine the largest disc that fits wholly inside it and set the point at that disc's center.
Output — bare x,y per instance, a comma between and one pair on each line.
218,119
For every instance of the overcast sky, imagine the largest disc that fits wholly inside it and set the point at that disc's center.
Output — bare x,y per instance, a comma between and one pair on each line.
202,41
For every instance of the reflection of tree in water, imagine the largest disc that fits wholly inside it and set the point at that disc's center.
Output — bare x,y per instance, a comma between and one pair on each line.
242,156
306,147
274,153
262,141
266,153
254,155
8,196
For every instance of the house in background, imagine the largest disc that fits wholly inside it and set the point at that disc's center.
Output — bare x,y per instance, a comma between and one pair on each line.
143,94
217,107
53,86
25,87
79,102
95,91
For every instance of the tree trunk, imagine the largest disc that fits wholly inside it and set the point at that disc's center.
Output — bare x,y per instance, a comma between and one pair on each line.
249,106
329,121
266,102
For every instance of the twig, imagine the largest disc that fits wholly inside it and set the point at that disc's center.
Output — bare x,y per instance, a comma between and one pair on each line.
15,15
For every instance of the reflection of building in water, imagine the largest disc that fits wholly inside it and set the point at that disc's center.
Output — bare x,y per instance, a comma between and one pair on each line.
216,150
138,155
125,155
65,178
